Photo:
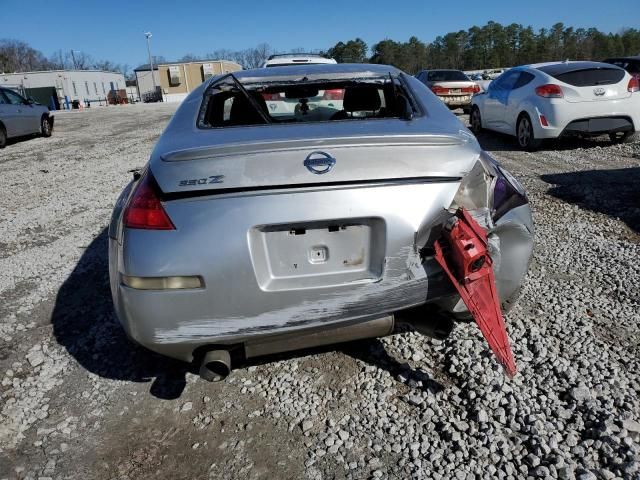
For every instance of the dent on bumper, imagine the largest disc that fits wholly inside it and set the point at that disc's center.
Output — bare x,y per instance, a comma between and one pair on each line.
511,248
142,312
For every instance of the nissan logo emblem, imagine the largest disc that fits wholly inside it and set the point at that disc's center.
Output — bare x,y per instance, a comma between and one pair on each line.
319,162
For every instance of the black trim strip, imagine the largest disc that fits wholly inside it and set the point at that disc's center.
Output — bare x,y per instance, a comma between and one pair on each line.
299,186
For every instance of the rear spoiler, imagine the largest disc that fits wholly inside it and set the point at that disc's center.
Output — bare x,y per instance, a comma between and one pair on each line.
253,148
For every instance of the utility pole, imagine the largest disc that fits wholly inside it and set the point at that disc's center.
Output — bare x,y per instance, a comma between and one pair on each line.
153,78
74,60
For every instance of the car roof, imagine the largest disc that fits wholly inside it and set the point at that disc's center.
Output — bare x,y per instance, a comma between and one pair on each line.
633,57
557,68
315,72
293,55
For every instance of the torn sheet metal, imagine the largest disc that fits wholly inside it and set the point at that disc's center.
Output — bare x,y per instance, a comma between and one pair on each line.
462,253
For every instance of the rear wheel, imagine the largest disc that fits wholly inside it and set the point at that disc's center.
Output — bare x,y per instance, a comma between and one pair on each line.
525,134
475,120
624,137
45,126
3,137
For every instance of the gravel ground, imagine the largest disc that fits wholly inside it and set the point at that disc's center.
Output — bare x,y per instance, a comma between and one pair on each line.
77,400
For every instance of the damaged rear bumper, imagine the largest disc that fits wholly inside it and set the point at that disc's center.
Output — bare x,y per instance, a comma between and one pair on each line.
374,258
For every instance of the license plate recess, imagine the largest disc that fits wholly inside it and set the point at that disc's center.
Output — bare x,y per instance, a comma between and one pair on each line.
318,254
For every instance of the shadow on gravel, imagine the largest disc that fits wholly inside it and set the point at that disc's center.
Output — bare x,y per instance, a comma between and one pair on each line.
499,142
372,351
84,322
613,192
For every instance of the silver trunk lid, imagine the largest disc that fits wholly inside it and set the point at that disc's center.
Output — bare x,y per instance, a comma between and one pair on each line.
273,156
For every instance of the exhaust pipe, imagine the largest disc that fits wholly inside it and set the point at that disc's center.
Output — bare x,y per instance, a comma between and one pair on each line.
215,365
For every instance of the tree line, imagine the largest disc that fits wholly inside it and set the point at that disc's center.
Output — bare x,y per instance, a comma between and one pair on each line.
18,56
492,45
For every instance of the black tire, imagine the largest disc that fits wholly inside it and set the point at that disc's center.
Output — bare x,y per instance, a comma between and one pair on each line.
45,126
475,120
624,137
3,137
525,135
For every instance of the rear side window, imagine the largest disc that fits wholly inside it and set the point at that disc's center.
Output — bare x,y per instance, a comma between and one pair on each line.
590,77
524,79
506,81
446,76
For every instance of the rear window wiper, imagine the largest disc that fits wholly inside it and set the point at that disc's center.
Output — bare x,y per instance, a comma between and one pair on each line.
252,100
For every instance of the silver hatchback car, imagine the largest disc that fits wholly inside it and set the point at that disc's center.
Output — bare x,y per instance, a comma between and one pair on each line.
20,116
248,234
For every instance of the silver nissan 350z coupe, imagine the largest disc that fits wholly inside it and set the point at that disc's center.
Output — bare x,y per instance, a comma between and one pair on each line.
257,228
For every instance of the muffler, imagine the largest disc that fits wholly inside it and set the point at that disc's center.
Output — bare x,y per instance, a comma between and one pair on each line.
215,366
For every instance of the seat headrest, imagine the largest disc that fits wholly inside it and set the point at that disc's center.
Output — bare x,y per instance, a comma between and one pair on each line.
361,99
244,113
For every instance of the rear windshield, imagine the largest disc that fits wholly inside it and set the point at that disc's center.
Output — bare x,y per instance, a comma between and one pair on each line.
446,76
229,104
588,77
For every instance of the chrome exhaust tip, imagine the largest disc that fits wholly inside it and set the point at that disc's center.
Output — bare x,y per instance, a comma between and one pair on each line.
215,365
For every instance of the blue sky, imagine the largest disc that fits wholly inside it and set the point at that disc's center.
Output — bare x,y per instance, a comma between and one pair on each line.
113,30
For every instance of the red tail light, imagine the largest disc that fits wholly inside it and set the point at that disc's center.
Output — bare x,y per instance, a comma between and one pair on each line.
271,97
543,121
634,84
439,90
472,89
549,91
334,94
144,209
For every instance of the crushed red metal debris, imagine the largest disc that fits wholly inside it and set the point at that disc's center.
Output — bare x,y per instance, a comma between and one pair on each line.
462,253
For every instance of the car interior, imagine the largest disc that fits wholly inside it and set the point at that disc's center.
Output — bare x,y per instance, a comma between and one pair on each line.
314,102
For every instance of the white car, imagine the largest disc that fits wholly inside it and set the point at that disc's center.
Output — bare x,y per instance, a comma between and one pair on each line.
288,59
549,100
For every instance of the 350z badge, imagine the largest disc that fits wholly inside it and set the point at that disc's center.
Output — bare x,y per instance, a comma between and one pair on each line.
201,181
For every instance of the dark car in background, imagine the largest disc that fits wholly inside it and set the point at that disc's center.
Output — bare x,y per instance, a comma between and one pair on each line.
20,116
630,64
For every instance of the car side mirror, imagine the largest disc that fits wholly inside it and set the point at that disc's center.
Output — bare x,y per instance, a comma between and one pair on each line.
30,101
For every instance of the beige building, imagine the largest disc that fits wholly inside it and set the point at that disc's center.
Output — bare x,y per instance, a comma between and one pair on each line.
177,79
